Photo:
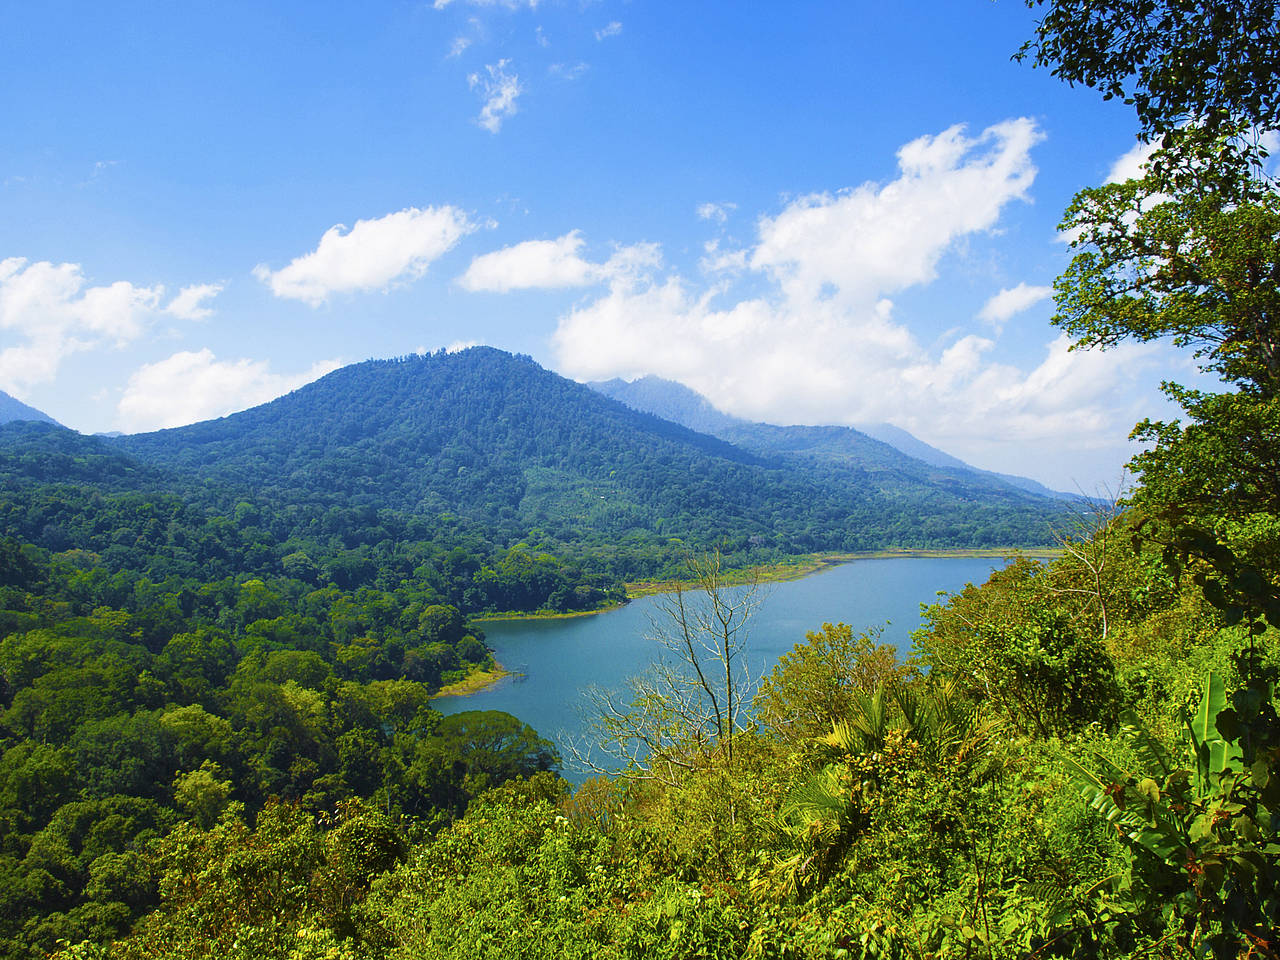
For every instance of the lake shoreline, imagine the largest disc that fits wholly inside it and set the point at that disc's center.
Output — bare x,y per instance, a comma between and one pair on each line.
781,572
474,682
803,566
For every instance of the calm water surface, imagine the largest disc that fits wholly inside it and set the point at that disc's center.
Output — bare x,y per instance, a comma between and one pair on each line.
554,659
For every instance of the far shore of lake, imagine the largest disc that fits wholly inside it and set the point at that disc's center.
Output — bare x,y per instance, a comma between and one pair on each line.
783,570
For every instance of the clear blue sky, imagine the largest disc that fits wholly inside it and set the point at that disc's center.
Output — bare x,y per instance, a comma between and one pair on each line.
833,212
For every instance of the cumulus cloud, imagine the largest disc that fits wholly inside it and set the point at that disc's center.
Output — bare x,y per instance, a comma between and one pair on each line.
54,311
191,386
611,29
498,91
551,264
372,255
189,304
1012,301
814,337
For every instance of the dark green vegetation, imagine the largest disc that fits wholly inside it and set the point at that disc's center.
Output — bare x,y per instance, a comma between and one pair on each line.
128,705
65,491
482,467
519,452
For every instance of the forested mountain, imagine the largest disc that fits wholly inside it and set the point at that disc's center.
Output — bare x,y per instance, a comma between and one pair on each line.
11,408
499,441
674,401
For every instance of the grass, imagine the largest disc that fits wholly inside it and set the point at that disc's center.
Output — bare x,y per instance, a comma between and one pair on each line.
474,682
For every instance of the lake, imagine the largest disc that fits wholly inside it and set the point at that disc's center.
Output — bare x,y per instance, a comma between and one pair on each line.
553,660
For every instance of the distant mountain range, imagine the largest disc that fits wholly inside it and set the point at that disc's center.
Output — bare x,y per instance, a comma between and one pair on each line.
674,401
11,409
484,441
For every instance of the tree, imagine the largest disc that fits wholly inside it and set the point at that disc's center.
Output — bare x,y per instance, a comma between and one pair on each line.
691,702
817,682
1201,76
1191,252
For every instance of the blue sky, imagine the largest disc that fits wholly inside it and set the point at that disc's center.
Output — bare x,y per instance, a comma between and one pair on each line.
813,212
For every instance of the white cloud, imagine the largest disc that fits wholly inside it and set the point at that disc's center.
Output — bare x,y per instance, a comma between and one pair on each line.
1011,301
874,239
189,304
551,264
611,29
194,385
1133,163
459,345
460,44
815,340
498,90
372,255
55,313
717,212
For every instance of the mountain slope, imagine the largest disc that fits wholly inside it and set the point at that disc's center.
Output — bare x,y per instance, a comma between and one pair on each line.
497,439
11,409
675,401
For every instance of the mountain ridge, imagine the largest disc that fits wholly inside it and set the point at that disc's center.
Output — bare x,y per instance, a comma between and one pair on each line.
495,437
675,401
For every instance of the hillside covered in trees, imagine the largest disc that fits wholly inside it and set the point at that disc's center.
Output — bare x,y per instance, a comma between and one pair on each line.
495,439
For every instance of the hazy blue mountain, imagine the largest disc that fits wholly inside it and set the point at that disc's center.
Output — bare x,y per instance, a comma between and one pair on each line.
11,408
675,401
495,438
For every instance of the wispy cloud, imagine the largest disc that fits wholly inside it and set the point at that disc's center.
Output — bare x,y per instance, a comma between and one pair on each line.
1011,301
505,4
611,29
190,302
498,91
568,71
716,212
372,255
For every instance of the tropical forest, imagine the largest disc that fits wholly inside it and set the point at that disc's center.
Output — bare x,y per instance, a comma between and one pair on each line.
223,644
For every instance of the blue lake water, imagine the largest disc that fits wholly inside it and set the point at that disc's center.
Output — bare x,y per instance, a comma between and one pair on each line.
555,659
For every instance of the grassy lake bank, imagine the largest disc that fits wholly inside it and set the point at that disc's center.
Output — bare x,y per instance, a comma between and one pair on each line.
798,567
473,682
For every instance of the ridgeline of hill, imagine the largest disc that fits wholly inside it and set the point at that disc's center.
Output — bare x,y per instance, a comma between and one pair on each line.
908,458
523,453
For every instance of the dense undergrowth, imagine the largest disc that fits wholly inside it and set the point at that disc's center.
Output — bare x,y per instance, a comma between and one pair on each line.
941,807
